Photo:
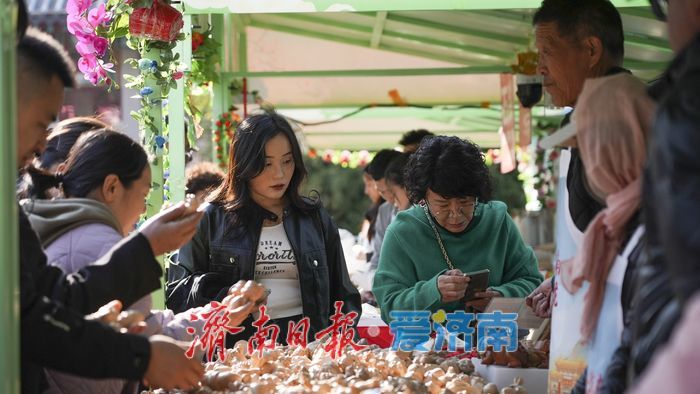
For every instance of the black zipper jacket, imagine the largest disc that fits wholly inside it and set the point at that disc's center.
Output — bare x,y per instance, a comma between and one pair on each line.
219,255
670,274
54,333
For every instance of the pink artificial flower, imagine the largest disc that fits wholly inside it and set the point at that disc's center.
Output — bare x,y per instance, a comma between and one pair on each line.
85,48
107,67
77,7
92,77
79,26
98,16
101,71
70,20
98,73
100,44
87,63
177,75
86,38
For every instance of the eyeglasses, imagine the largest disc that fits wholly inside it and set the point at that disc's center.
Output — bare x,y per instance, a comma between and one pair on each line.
660,9
463,210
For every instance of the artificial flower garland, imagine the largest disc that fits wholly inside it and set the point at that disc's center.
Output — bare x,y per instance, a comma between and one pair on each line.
223,135
343,158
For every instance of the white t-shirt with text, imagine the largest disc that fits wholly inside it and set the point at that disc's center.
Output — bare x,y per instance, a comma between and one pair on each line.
276,269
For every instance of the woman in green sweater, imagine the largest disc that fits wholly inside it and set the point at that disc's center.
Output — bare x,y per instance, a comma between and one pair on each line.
453,229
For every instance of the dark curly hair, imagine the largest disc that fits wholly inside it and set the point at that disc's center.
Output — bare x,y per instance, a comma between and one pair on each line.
449,166
203,176
414,137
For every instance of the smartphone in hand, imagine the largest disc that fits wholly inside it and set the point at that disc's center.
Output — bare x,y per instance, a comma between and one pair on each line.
479,282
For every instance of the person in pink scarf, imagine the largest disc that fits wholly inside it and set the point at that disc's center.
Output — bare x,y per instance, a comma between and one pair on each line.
612,123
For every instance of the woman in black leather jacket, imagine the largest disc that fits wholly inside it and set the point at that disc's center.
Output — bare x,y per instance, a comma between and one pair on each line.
259,227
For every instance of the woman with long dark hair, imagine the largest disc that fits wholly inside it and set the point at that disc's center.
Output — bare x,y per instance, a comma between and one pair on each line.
260,227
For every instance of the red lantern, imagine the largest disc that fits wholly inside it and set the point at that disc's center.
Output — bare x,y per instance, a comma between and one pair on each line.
161,22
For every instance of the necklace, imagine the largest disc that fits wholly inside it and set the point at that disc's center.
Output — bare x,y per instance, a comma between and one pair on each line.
269,222
437,235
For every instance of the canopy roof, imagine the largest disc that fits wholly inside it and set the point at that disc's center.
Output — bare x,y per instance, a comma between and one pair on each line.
329,58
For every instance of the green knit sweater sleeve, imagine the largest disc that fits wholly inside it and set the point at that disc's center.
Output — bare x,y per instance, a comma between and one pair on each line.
520,275
396,284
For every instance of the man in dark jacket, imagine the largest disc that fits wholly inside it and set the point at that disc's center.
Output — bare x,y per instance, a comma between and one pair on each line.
54,333
671,205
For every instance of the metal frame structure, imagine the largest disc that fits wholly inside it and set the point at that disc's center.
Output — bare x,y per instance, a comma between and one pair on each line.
479,37
483,37
9,239
476,37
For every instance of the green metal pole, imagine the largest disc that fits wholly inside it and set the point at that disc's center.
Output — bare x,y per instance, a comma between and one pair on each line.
243,51
176,132
155,198
254,7
382,72
9,240
176,120
220,89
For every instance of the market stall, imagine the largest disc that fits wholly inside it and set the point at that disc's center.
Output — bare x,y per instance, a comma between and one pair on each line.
336,58
296,58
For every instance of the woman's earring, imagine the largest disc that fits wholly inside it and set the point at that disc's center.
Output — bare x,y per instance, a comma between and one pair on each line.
422,203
